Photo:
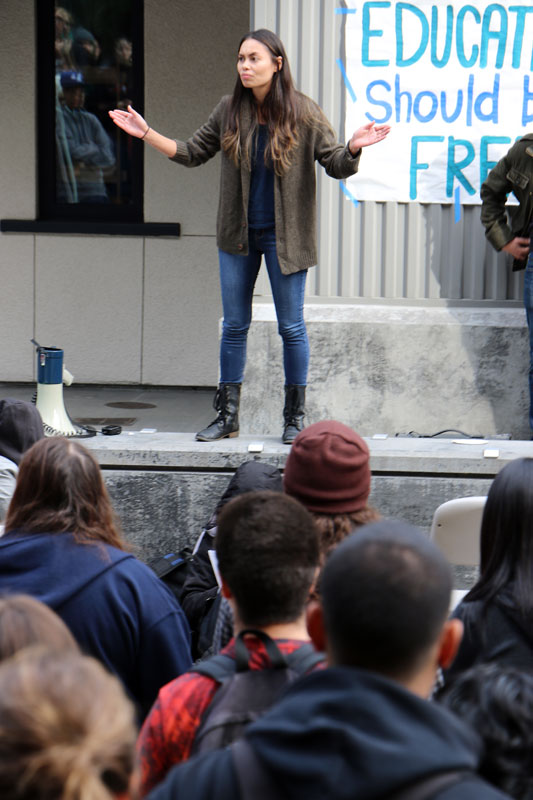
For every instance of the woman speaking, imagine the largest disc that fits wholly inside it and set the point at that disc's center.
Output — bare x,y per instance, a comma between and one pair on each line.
270,136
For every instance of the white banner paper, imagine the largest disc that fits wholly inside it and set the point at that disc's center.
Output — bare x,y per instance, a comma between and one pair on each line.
455,82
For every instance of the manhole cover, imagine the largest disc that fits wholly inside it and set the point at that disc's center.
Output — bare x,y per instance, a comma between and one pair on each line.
106,420
130,404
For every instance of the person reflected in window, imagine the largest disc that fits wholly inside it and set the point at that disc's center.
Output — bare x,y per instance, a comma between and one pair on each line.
63,40
83,142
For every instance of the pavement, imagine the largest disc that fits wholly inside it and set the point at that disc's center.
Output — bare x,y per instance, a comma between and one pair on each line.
134,408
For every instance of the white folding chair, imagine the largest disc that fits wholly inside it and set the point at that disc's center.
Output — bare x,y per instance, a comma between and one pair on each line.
456,530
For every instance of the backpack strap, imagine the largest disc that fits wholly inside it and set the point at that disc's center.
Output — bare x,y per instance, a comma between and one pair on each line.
219,667
242,654
304,659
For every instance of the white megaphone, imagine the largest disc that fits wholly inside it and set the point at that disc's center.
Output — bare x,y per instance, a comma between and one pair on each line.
51,375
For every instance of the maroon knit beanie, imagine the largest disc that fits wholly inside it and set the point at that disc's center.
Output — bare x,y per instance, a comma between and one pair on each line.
328,469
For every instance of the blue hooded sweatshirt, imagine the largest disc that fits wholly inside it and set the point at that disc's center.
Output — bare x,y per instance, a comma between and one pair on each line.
115,606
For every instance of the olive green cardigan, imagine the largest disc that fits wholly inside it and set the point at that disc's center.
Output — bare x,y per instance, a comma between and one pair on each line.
294,193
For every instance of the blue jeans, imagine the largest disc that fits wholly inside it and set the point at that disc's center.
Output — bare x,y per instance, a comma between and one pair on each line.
528,303
237,280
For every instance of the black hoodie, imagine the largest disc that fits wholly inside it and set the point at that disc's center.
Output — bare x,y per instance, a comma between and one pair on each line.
20,427
201,587
343,734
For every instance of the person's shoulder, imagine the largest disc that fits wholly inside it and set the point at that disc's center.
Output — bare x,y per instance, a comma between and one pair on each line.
307,107
185,686
223,104
519,147
467,610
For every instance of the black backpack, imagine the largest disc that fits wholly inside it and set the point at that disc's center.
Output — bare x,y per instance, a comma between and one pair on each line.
245,694
172,570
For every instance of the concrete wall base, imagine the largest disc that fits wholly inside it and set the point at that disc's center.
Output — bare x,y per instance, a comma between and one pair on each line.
393,369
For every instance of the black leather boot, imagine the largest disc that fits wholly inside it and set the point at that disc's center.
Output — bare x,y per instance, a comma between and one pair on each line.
226,402
293,413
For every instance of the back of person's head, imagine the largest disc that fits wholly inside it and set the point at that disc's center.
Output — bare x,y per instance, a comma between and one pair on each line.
66,729
506,536
25,621
267,549
20,427
328,471
251,476
60,489
385,598
497,701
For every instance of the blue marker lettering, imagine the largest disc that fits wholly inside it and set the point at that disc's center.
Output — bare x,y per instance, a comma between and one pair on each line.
401,61
455,168
500,35
460,39
387,108
369,32
416,165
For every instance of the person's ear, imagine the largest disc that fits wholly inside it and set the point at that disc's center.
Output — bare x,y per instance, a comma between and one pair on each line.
450,639
225,590
279,61
315,625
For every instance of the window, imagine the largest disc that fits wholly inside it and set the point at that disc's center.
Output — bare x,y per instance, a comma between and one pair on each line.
90,60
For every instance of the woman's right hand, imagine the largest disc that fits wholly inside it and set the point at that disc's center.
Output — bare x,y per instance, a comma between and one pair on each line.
130,121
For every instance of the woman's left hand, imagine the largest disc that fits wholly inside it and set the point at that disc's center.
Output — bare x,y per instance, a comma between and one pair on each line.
368,134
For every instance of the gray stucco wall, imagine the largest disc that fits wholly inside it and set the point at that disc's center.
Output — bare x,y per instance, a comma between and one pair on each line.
123,309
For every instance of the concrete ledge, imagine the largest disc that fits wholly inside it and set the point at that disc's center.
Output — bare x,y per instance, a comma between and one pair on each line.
165,485
397,368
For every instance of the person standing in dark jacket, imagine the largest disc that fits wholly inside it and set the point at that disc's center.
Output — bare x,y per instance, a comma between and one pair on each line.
508,228
363,727
270,136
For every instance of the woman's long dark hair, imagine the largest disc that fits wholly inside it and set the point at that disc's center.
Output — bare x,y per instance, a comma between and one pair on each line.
60,490
283,109
507,538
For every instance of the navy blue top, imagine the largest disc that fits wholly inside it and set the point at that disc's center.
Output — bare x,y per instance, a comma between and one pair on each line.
261,200
117,609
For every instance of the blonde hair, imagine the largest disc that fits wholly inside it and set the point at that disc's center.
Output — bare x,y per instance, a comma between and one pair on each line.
25,621
66,729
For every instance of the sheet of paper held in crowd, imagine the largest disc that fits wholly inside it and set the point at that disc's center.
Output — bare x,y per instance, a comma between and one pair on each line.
455,82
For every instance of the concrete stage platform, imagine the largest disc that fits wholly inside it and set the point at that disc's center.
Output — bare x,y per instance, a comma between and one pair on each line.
165,485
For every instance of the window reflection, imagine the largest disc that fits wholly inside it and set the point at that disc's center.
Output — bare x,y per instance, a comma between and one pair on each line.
93,73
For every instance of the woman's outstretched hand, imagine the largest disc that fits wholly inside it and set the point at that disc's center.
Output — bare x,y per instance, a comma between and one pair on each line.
367,135
130,121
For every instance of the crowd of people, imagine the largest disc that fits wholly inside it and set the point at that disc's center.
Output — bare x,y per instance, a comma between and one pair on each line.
312,651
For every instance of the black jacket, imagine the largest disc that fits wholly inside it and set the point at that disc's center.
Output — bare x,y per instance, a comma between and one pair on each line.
341,734
499,633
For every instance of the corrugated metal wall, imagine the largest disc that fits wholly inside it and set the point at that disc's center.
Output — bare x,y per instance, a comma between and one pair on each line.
377,250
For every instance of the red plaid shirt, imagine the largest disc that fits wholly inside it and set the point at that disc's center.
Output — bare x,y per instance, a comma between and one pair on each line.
168,732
